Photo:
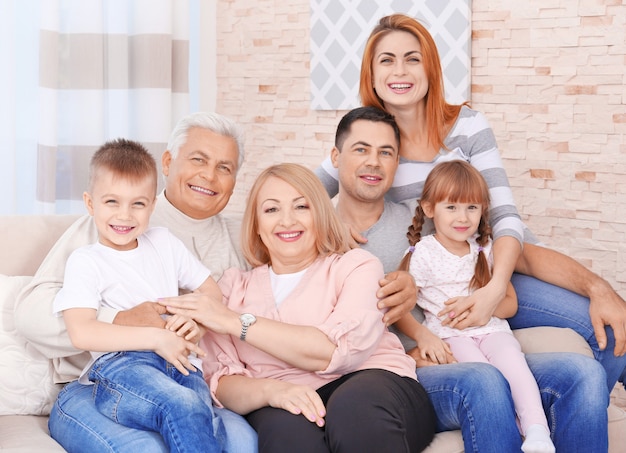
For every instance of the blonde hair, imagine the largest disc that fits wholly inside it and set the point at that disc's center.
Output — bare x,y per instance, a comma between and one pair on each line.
331,235
456,181
438,112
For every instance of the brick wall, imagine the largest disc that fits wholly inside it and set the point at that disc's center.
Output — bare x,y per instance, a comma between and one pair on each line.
549,76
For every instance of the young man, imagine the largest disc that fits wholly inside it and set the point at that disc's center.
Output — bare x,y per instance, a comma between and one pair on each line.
200,164
472,397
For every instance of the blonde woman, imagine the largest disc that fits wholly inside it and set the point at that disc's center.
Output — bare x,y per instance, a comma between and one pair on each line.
299,345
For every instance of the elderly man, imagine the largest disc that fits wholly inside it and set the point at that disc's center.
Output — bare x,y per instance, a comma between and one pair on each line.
203,155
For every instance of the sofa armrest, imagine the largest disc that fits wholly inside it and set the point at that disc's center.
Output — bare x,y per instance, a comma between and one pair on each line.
26,240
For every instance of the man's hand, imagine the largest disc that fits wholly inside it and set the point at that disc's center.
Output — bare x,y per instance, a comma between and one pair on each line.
607,308
146,314
397,293
356,236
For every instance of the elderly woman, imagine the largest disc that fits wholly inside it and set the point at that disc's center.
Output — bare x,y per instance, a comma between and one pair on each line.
299,345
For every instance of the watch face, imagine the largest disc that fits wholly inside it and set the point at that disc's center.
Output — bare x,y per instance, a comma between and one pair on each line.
247,319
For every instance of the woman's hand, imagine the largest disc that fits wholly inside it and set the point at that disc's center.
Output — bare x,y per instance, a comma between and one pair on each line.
473,310
176,350
205,310
398,294
297,399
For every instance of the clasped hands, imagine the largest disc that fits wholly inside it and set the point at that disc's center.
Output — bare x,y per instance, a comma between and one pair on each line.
398,294
180,321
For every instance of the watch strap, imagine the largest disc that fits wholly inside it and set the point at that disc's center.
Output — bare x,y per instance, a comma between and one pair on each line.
244,332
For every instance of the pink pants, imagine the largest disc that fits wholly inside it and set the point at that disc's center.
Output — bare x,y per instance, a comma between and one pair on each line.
502,350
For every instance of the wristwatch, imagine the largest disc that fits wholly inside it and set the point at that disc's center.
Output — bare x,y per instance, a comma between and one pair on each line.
247,320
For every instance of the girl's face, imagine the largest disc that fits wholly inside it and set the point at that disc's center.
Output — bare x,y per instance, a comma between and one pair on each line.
286,226
454,223
398,72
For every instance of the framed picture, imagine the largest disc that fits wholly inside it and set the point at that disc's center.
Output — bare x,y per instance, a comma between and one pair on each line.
339,30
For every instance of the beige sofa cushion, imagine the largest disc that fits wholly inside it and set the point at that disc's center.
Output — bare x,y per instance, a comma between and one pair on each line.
25,375
24,242
551,339
26,434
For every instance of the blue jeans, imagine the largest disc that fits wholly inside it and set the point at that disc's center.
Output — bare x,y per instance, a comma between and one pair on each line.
140,389
543,304
78,426
475,398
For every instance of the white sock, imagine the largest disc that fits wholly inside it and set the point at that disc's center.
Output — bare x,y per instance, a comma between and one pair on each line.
537,440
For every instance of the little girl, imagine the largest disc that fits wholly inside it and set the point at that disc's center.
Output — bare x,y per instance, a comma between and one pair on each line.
453,262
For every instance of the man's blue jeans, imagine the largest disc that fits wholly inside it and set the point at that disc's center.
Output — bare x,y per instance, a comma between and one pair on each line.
475,398
79,427
543,304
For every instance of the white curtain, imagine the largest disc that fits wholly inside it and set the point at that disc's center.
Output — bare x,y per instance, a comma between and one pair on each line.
80,72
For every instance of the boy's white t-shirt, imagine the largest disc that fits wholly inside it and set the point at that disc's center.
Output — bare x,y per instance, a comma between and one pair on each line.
97,275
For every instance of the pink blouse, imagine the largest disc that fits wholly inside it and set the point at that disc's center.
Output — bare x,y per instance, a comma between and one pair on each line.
337,294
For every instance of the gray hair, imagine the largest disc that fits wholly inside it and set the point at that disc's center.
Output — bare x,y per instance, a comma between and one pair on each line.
211,121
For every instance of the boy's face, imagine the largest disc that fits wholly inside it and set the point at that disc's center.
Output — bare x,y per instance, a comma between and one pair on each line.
121,208
367,162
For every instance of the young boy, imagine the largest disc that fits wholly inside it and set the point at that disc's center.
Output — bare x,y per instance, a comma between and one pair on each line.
145,377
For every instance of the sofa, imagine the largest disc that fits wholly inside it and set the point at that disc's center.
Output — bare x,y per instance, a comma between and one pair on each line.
26,376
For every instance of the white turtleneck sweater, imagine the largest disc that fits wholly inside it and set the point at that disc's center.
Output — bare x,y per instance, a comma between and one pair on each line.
214,241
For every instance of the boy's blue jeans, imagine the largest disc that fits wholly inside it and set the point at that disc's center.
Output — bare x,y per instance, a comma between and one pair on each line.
76,424
140,389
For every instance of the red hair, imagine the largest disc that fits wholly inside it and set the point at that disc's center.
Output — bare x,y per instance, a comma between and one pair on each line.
439,113
455,181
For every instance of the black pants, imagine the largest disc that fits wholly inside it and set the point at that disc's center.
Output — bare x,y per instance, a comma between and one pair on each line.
366,411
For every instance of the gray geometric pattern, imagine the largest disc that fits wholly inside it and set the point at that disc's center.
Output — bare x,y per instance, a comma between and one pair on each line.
339,30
